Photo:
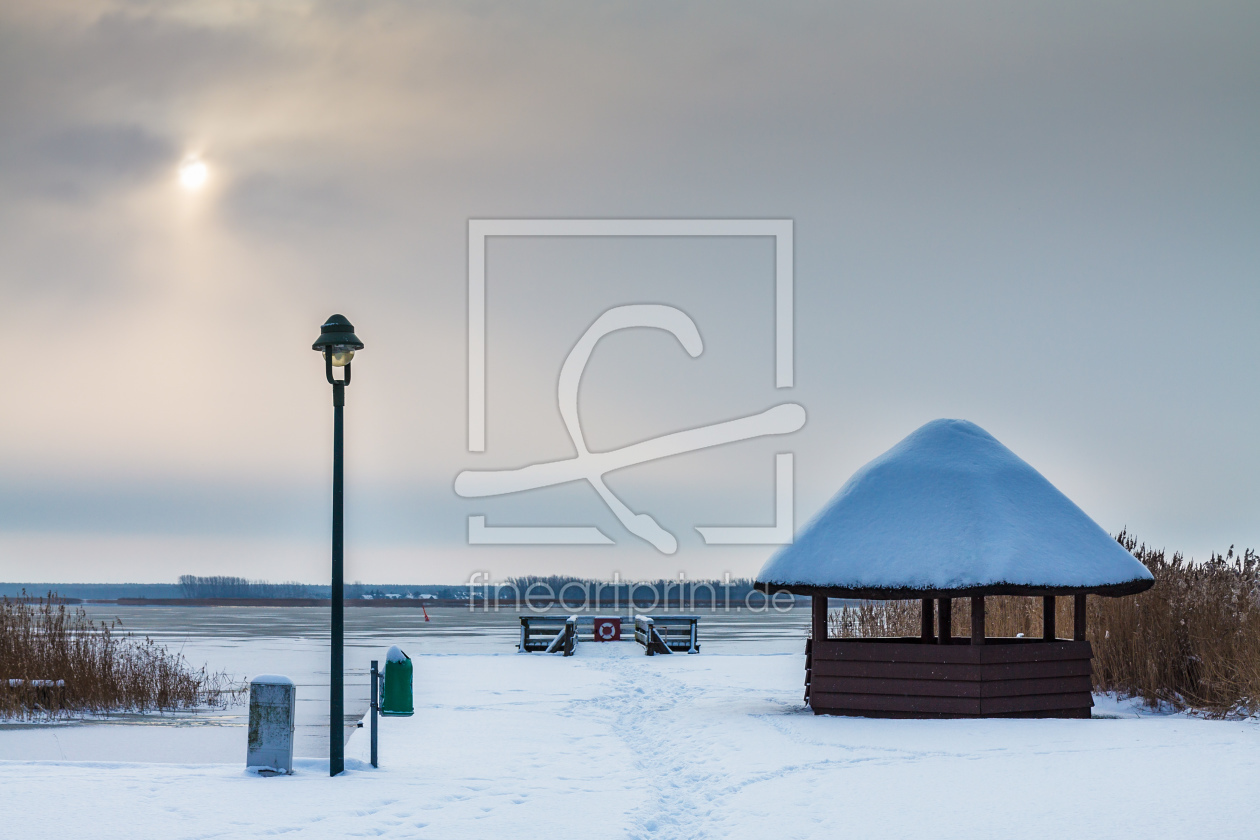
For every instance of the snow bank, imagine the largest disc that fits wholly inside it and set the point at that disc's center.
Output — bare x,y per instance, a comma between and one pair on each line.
951,508
611,743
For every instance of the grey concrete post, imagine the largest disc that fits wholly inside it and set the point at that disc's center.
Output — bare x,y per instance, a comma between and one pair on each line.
272,701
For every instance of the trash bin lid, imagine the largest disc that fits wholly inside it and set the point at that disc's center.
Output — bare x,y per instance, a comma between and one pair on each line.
395,654
270,679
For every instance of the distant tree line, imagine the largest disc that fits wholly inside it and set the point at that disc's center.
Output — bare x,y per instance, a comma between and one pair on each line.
224,586
533,590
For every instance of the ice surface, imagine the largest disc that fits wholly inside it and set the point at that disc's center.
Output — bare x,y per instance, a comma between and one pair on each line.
950,507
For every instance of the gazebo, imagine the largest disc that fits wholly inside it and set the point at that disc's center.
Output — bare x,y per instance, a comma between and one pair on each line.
947,513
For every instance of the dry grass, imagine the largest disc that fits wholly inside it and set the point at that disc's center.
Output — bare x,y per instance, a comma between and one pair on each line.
1191,642
41,639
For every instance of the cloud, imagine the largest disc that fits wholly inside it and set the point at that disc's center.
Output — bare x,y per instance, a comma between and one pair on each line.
1040,217
83,162
271,204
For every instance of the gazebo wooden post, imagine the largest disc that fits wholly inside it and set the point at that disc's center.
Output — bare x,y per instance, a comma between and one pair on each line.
1047,619
977,620
819,617
945,620
1078,618
927,631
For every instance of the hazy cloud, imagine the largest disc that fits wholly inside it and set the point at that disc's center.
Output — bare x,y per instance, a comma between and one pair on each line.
1039,217
79,163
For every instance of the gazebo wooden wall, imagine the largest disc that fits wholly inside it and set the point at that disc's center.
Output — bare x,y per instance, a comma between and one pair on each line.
939,675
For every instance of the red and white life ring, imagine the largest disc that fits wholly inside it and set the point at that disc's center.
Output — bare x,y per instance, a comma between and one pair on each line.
607,629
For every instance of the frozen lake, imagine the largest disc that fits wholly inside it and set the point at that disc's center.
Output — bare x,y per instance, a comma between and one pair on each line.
294,641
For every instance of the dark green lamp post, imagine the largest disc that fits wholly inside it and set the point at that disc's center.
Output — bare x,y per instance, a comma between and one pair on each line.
337,342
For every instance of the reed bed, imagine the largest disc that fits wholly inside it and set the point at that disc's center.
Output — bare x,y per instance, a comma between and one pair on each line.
56,662
1190,642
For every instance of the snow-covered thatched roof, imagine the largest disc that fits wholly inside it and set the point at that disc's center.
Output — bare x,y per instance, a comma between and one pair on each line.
951,512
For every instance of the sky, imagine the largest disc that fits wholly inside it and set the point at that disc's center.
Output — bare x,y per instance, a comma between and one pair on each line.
1041,217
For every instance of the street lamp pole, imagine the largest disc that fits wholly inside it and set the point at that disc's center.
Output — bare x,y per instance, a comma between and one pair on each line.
336,687
337,342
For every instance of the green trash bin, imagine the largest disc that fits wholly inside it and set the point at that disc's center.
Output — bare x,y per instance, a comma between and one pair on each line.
396,685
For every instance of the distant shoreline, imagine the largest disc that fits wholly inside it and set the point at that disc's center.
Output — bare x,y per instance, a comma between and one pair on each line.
414,603
279,602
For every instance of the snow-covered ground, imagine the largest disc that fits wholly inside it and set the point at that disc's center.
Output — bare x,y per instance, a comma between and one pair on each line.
611,743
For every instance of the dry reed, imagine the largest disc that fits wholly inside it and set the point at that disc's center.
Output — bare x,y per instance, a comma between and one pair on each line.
1190,642
42,641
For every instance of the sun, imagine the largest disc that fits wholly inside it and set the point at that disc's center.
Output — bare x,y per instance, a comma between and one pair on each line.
193,174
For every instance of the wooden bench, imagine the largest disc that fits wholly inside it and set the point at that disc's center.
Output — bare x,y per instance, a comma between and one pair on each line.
667,633
548,634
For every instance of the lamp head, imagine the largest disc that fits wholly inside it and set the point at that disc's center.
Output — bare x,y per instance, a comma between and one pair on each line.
337,339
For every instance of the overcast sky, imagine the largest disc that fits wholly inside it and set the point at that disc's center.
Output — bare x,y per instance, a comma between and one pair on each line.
1041,217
